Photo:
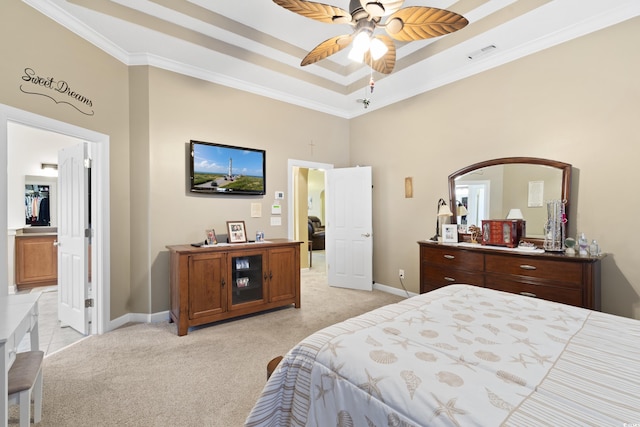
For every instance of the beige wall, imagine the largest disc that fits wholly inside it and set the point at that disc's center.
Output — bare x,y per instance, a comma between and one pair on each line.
576,103
29,39
182,108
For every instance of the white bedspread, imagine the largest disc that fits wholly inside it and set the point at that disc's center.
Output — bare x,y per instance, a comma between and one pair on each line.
461,356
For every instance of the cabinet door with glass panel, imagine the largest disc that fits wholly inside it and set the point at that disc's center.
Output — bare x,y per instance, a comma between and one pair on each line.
247,286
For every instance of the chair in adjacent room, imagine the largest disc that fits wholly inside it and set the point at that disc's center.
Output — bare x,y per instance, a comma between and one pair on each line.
316,233
25,381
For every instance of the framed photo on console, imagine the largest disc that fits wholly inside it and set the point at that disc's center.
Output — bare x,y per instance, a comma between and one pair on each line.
237,232
449,233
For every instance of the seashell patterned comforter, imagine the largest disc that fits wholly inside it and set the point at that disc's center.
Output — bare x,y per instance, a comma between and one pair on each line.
461,356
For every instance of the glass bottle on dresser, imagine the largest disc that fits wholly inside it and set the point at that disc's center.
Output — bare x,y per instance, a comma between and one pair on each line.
583,245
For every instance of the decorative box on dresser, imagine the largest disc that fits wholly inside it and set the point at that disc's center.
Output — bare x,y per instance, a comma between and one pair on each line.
572,280
219,282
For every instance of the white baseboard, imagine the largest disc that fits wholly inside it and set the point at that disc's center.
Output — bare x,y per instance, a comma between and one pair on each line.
139,318
164,315
391,290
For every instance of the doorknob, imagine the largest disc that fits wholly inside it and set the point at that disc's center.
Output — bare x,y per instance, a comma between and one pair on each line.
56,243
366,235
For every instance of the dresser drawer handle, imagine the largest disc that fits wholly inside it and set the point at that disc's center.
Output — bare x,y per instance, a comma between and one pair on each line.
529,294
528,267
449,279
449,256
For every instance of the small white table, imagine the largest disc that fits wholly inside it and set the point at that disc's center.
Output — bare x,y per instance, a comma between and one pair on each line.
18,316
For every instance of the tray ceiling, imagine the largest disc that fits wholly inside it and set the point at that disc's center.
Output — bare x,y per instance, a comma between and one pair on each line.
257,46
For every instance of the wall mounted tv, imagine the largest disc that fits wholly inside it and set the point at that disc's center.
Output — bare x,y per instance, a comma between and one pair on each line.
225,169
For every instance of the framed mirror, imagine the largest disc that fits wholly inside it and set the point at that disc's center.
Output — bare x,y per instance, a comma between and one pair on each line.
514,187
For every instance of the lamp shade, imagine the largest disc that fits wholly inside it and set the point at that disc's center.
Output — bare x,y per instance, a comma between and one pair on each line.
444,210
462,211
515,214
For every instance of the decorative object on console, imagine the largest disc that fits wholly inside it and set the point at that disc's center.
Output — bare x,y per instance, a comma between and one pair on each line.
474,233
583,245
554,231
443,213
210,237
449,233
503,232
569,244
237,232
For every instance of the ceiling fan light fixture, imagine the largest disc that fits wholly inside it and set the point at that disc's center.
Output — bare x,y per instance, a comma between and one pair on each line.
378,49
361,44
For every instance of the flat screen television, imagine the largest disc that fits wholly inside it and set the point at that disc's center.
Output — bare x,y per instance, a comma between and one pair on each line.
225,169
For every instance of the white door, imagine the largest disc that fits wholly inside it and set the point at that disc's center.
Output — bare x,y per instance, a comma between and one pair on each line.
73,220
348,229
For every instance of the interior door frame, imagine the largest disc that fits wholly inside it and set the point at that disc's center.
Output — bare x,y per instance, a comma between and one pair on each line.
293,163
100,258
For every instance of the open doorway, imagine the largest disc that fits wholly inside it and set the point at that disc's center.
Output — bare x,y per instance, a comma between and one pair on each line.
99,203
306,187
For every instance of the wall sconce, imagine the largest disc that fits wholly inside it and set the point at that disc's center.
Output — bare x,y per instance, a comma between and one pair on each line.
49,166
443,213
515,214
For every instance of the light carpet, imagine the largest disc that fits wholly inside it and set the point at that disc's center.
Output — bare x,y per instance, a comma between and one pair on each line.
145,375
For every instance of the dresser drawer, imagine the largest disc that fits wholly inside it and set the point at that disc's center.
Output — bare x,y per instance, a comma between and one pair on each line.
452,258
571,296
436,276
560,271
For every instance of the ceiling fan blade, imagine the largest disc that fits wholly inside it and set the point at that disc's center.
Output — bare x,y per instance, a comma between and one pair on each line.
318,11
386,63
327,48
379,8
418,22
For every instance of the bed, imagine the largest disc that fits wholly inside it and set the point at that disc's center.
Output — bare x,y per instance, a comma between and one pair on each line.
461,356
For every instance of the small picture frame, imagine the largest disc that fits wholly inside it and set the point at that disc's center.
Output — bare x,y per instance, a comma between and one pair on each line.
449,233
237,232
210,237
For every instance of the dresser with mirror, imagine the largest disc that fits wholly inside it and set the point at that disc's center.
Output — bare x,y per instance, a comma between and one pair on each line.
490,190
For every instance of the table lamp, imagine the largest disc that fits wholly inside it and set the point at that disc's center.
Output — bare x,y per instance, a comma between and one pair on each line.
515,214
443,213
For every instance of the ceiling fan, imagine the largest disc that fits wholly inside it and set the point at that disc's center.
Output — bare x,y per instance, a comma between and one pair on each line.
379,51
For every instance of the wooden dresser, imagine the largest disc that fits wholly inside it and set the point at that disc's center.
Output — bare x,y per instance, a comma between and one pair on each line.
571,280
209,284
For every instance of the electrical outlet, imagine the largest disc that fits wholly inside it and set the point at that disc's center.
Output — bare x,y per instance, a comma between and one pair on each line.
401,273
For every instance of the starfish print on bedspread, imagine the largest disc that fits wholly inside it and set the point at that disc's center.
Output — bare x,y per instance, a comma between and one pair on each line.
540,358
333,346
520,359
525,341
460,361
448,409
333,375
371,386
